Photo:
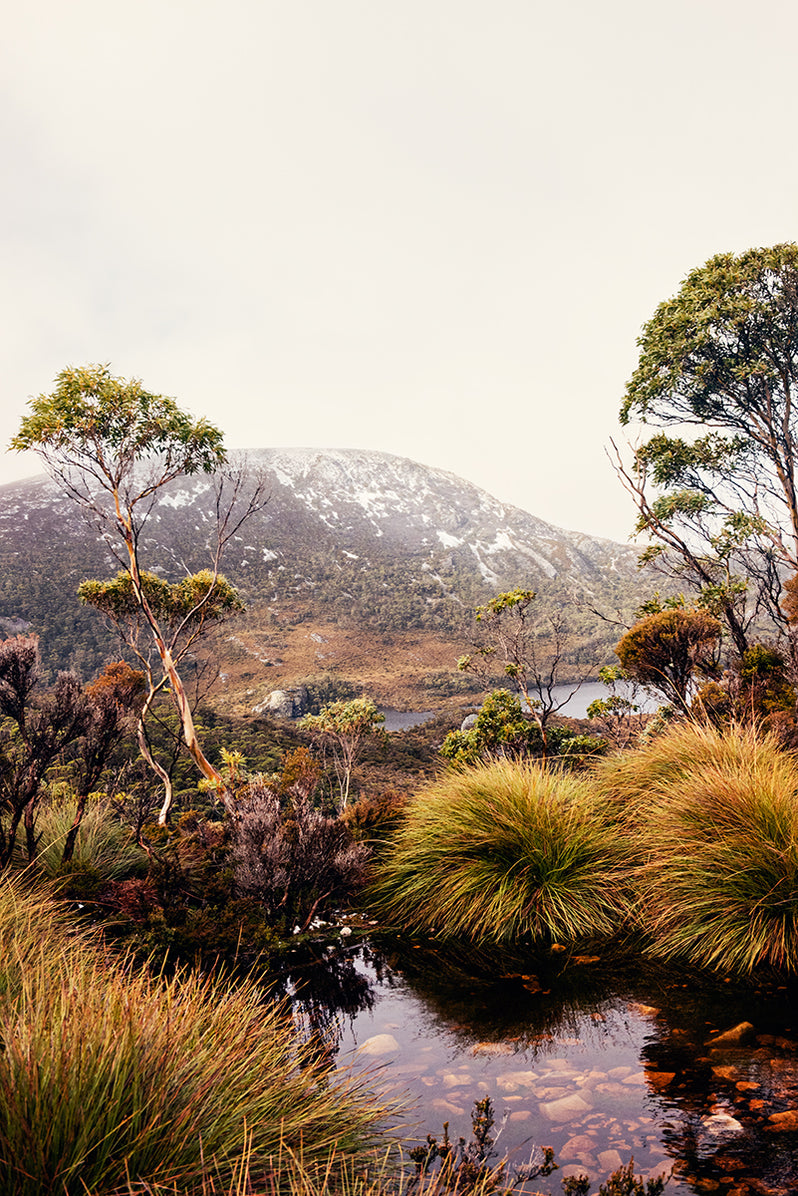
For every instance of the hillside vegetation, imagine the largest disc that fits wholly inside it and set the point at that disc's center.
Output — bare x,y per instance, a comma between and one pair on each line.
384,560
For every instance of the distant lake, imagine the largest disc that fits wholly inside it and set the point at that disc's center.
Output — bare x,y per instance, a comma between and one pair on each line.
575,707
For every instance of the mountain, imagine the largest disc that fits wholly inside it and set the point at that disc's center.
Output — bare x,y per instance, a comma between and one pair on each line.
365,543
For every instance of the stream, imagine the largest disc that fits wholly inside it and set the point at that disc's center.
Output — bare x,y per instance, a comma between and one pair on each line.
600,1057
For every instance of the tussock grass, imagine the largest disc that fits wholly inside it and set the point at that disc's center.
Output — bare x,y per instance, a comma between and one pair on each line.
503,852
714,817
110,1078
103,844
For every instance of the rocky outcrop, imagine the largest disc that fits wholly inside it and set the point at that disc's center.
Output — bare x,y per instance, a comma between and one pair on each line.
284,703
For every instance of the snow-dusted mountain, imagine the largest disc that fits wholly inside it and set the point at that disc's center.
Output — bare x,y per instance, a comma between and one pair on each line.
365,538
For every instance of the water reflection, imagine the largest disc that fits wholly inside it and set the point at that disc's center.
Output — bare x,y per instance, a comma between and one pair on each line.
589,1053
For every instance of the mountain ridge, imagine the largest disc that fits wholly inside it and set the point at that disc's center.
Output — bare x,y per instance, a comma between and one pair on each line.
359,539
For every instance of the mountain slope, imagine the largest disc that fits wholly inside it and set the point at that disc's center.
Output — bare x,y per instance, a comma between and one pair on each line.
363,541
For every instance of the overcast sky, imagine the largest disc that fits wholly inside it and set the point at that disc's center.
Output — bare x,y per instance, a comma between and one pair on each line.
429,227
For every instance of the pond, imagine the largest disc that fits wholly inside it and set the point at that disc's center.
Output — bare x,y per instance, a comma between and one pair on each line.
599,1057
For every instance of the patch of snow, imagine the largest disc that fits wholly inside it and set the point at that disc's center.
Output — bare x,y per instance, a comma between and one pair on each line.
449,541
502,543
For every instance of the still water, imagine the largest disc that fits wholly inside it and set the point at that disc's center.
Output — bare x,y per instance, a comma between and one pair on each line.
575,703
598,1057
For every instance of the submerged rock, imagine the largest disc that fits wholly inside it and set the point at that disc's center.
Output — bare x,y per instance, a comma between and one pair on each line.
568,1108
379,1044
733,1037
788,1120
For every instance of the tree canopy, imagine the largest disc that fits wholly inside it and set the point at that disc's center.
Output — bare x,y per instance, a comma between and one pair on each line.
716,492
669,650
94,426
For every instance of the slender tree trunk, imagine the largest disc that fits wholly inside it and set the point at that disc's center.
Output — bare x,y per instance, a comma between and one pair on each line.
72,833
178,689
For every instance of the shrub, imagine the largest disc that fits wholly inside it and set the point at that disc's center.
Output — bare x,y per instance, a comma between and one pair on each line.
715,818
110,1076
503,852
291,856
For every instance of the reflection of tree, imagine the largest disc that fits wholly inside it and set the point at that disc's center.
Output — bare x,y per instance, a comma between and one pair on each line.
324,987
504,995
533,1000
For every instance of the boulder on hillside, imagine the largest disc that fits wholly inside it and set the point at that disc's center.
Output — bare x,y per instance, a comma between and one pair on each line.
284,703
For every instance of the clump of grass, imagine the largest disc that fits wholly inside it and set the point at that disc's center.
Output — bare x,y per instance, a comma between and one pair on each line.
716,827
110,1076
629,779
103,844
503,852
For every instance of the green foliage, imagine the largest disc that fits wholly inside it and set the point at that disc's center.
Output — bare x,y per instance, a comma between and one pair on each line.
500,729
95,422
764,687
110,1076
324,690
713,817
622,1182
503,852
104,844
449,685
199,598
527,648
443,1166
340,729
719,365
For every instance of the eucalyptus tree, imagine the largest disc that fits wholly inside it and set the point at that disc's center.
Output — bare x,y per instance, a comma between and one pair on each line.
113,446
341,728
715,487
185,610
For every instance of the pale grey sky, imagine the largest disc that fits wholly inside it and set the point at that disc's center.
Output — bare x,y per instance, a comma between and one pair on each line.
432,227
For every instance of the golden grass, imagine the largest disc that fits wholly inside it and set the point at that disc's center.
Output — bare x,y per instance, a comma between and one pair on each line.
503,852
111,1077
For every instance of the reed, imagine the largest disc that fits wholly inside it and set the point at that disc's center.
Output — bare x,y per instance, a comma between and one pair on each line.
111,1077
505,852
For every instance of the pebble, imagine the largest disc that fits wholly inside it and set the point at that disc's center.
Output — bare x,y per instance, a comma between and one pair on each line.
512,1080
788,1120
575,1147
732,1037
456,1079
445,1106
379,1044
492,1048
566,1109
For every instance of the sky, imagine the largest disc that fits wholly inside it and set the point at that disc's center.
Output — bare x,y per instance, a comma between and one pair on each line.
432,228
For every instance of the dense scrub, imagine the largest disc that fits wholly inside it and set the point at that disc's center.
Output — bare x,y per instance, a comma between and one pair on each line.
713,819
691,839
